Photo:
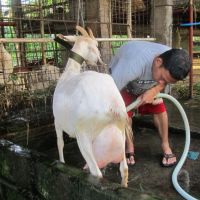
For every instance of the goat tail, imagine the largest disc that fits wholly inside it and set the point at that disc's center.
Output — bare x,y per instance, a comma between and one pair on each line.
128,130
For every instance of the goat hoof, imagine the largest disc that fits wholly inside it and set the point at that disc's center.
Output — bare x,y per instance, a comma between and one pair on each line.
55,162
124,184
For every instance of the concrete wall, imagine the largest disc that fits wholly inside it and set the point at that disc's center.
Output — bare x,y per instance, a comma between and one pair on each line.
26,174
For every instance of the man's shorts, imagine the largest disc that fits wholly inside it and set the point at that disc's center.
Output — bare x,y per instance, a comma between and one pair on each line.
145,109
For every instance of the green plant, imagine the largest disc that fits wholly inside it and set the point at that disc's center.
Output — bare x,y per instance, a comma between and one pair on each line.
180,91
197,90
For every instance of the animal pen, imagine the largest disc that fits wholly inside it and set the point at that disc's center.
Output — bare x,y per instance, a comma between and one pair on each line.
31,61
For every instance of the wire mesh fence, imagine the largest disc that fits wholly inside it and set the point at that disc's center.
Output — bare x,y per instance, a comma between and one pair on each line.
30,69
26,91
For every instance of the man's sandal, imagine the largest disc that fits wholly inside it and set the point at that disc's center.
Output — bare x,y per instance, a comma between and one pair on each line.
167,157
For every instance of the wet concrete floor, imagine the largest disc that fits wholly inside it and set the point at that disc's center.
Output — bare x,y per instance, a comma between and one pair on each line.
192,109
146,175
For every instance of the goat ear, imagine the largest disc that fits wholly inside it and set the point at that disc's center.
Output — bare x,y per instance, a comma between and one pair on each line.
82,31
90,33
70,38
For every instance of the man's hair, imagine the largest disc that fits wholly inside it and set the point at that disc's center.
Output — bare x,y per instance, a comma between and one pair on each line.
177,62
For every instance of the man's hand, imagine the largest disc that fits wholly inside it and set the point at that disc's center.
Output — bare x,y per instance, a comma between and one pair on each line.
149,95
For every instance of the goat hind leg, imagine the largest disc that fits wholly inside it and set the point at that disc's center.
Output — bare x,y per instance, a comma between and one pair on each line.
124,172
85,146
60,142
124,166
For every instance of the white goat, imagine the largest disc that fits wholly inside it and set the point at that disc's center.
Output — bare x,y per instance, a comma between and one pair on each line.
89,107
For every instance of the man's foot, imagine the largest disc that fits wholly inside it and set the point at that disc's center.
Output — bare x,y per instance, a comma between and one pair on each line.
130,158
168,160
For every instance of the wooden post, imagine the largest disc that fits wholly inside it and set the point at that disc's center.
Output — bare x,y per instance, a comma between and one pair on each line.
110,19
129,18
2,27
161,17
42,33
17,12
105,20
100,10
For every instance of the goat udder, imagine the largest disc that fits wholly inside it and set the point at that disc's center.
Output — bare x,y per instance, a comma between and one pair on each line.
109,146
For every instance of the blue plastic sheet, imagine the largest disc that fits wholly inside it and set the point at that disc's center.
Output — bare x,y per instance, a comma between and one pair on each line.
193,155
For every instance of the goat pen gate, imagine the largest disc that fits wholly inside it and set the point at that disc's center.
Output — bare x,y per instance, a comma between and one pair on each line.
31,61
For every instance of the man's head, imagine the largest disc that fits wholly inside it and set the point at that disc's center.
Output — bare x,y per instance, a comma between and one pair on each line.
175,64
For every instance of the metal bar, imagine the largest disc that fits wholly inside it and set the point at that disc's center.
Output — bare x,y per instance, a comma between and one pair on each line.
7,24
61,20
129,18
45,40
190,24
191,46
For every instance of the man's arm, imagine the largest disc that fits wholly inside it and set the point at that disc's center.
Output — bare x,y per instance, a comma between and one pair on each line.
149,95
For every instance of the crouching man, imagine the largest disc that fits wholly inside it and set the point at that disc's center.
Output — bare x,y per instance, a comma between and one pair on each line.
143,69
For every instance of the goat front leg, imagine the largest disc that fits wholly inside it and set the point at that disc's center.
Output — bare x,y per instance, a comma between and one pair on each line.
60,142
85,146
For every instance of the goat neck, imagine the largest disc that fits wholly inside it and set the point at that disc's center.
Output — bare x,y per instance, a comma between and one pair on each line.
74,65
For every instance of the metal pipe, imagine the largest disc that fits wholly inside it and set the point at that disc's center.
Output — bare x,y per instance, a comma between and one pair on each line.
129,18
7,24
44,40
191,47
